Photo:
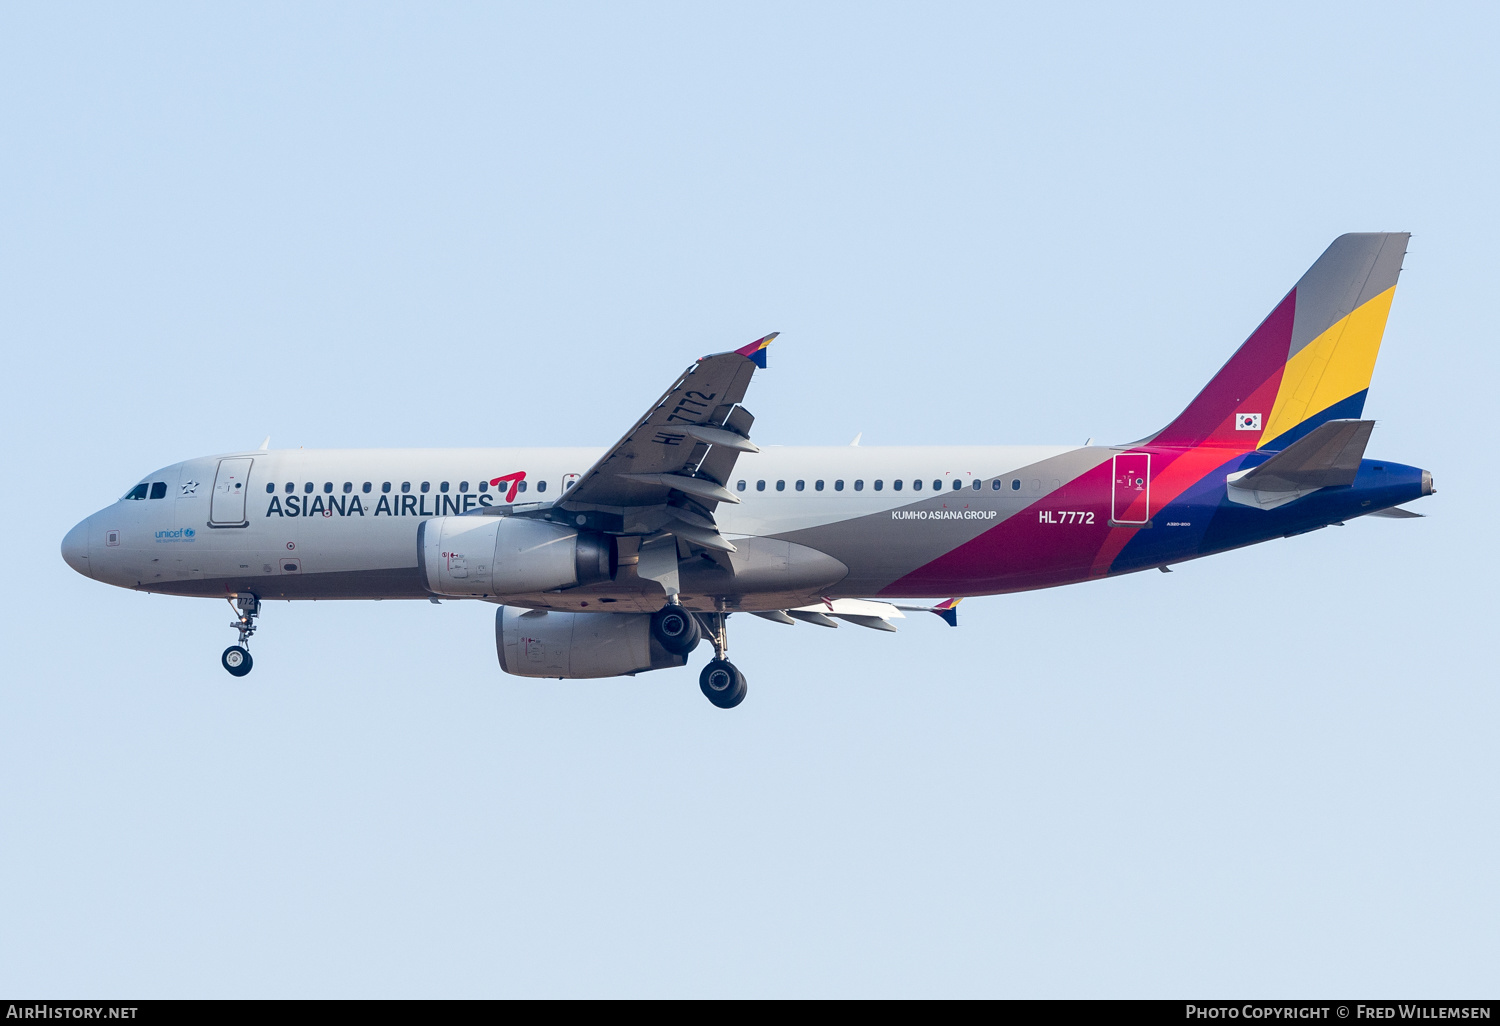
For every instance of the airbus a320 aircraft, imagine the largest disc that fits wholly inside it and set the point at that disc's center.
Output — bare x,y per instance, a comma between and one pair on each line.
616,562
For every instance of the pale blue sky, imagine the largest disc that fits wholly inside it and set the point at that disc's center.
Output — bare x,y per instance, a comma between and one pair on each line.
1270,773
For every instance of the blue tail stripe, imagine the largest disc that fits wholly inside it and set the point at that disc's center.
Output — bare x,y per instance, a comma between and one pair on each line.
1344,409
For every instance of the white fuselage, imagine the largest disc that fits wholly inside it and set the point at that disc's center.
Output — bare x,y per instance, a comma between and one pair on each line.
349,517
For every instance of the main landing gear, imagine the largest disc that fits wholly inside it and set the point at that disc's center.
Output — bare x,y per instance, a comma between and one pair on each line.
236,658
675,629
679,631
721,683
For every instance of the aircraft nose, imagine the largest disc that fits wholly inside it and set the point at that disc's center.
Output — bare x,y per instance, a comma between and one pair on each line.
75,548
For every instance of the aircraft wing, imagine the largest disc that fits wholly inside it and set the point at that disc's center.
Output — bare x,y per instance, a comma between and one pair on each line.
670,470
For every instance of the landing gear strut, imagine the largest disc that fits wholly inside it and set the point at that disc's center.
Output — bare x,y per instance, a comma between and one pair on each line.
236,658
721,683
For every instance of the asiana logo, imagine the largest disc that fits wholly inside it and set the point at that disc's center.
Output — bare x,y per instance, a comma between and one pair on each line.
182,534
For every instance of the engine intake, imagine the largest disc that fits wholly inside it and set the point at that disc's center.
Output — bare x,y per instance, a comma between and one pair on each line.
477,557
538,643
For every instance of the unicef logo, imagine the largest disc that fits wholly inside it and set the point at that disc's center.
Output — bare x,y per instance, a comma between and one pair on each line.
187,532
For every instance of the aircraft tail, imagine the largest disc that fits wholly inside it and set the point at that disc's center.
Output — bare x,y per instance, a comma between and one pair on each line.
1311,359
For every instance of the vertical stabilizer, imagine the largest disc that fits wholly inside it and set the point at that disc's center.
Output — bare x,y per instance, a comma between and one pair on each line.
1311,359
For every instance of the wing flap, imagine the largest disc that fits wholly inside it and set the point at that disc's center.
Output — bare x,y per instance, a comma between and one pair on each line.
681,453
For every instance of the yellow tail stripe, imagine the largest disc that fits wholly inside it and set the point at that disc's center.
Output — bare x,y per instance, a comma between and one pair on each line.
1330,368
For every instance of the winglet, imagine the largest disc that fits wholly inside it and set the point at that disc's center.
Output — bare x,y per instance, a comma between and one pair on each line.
948,611
756,351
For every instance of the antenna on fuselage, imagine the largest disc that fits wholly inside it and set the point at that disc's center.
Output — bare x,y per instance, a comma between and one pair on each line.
266,444
857,438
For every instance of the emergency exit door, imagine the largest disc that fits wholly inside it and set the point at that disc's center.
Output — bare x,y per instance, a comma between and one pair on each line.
231,487
1130,500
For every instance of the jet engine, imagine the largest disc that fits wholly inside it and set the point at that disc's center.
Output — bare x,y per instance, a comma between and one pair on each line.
477,557
538,643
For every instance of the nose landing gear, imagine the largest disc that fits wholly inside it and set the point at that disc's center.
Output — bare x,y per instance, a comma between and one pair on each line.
236,658
721,683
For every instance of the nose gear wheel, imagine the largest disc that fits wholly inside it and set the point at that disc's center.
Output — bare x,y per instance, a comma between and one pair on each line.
236,658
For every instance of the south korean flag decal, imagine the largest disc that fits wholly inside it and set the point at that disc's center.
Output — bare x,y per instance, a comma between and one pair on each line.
1247,422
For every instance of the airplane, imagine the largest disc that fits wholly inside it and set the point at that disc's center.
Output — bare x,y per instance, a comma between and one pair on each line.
617,562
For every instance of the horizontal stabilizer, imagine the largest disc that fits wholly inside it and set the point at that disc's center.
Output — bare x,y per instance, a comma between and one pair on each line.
1397,513
1326,457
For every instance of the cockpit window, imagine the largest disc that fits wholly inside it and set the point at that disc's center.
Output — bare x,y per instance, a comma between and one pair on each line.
158,489
138,492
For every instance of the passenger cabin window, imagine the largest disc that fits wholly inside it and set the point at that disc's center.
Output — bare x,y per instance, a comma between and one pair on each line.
541,486
916,485
290,487
896,484
484,486
307,487
443,487
348,487
818,485
327,487
879,484
405,486
385,487
138,492
1015,485
977,483
270,487
521,486
957,485
781,486
760,486
463,486
995,484
426,487
838,485
740,487
801,485
859,485
366,488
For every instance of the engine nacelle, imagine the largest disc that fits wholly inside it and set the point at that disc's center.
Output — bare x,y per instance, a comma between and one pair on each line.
538,643
476,557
